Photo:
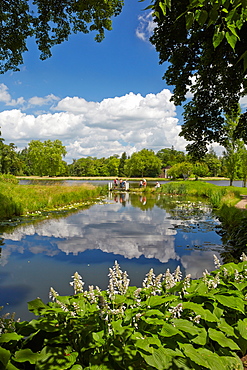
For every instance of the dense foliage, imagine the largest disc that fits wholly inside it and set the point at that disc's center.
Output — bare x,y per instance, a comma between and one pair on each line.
205,44
168,323
46,159
50,22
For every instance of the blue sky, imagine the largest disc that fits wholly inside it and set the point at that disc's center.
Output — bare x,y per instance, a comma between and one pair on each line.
99,99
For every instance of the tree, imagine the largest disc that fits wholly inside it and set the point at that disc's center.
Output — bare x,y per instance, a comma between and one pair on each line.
50,22
243,164
205,43
213,162
10,161
122,164
233,146
170,156
46,158
183,170
143,163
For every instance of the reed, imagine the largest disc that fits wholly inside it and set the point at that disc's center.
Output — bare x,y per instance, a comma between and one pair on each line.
19,200
216,195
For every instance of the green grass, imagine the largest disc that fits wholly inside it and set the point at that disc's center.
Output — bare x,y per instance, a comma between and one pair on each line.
19,200
216,195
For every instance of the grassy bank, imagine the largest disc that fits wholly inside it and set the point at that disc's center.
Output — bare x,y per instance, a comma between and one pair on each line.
19,200
216,195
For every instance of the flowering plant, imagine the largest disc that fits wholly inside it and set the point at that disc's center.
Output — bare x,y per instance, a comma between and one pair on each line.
168,323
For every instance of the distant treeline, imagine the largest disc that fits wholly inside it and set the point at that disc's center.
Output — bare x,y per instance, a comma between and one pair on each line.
46,159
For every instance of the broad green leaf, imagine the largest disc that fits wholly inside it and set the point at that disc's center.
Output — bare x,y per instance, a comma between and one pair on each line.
213,360
239,286
7,337
222,340
76,367
218,37
99,337
234,303
199,310
153,320
4,356
194,355
189,18
186,326
160,359
226,328
156,300
202,17
10,366
26,355
56,358
231,39
154,312
168,330
201,338
242,328
182,363
37,306
147,344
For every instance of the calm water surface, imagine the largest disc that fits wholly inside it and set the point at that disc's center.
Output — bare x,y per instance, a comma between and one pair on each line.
138,232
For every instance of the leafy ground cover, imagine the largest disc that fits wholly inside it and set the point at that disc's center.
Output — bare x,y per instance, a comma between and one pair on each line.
169,323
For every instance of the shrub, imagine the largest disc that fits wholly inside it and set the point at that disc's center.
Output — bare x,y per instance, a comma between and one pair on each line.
168,323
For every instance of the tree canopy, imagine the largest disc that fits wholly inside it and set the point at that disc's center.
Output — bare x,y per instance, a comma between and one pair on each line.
50,22
205,43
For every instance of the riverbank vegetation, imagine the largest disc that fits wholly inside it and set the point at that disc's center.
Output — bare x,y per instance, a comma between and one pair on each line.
167,323
217,196
17,200
46,159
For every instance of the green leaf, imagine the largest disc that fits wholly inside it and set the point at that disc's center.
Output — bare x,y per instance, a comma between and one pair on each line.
201,338
186,326
147,344
153,320
168,330
226,328
189,18
222,340
160,359
4,356
218,37
213,360
26,355
194,355
202,17
199,310
231,39
99,337
37,306
76,367
242,328
11,366
7,337
234,303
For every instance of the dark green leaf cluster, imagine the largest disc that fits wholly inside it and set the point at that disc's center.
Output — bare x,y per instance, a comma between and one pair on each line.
198,39
50,22
181,324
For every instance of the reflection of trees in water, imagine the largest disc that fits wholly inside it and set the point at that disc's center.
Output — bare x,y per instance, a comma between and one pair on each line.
233,232
1,243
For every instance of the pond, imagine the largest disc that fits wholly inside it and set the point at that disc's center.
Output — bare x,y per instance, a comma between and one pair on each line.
139,232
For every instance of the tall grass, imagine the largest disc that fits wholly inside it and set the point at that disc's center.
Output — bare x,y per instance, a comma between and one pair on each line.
19,200
216,195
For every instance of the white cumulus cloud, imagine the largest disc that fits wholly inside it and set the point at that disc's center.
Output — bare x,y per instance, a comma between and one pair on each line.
126,123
